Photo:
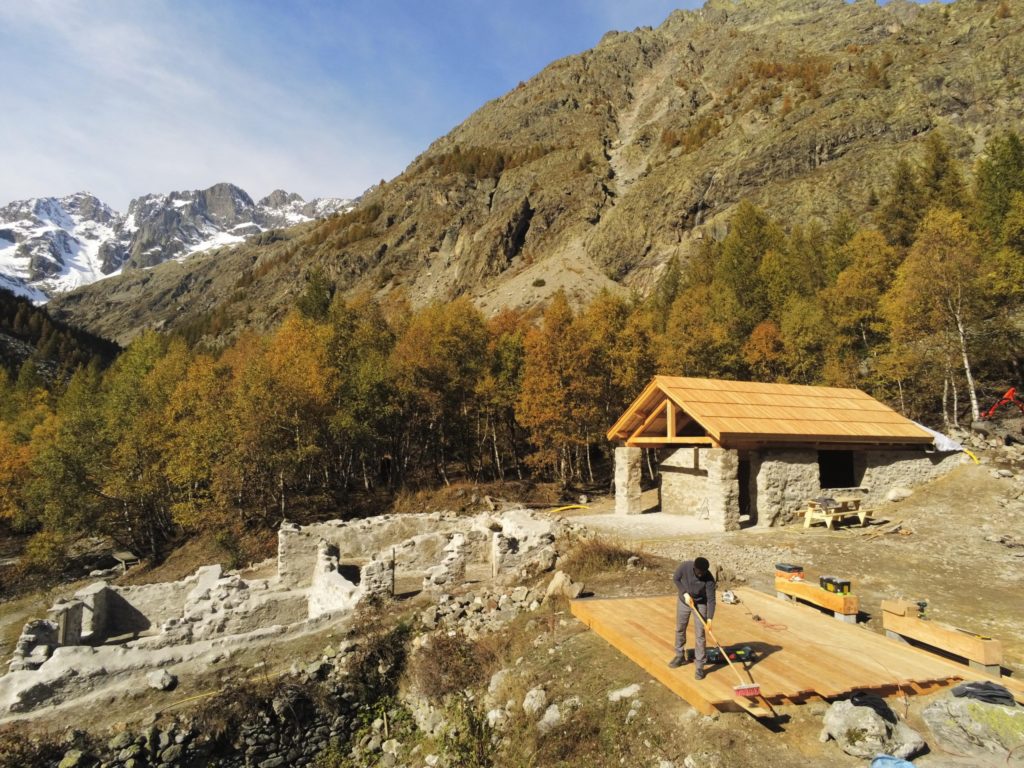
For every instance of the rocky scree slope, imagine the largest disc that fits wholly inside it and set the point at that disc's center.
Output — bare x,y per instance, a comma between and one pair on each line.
605,165
52,245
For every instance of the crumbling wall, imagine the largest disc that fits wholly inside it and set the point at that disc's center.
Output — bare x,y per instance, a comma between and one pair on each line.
883,470
684,482
523,547
330,590
146,607
94,612
785,478
67,615
353,539
452,569
37,642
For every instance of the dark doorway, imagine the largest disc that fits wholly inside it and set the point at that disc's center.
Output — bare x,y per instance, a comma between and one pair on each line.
836,469
748,505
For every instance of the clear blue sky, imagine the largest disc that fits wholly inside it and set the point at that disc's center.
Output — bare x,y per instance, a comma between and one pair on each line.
125,97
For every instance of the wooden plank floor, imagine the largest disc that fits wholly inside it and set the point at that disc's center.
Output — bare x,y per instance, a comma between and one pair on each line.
801,653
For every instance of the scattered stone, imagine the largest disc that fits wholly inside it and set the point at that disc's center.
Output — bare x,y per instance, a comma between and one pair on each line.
624,693
1006,540
72,759
632,563
702,760
561,584
863,732
391,747
552,718
534,701
972,727
898,493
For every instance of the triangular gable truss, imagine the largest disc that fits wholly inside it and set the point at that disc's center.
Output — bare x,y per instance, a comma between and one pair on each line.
668,424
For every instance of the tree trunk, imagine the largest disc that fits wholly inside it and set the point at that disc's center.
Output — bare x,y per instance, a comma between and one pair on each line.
497,453
945,399
962,333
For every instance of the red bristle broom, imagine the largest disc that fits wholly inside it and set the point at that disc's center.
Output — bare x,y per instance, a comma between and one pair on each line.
749,690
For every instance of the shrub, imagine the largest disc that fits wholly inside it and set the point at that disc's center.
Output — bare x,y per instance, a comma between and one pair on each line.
378,663
467,741
46,552
540,282
450,664
19,748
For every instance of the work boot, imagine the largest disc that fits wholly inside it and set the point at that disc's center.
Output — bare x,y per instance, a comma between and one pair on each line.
698,674
678,661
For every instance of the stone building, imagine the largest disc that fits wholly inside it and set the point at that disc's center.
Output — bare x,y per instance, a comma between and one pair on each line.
742,454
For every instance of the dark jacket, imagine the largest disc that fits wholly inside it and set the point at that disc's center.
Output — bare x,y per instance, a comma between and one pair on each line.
702,590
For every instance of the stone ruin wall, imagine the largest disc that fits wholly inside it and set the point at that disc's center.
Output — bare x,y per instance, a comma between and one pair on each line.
183,618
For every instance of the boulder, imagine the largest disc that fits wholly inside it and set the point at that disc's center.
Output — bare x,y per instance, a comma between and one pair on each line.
975,728
624,693
864,732
161,680
898,493
552,718
534,701
561,584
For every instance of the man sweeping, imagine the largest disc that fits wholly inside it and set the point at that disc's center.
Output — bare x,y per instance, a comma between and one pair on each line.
696,587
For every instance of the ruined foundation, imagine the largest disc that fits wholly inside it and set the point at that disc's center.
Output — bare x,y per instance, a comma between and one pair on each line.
107,633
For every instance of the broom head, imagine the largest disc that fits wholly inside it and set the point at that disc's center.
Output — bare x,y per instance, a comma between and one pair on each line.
747,689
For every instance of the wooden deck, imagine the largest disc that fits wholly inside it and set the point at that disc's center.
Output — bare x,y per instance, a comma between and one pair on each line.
801,653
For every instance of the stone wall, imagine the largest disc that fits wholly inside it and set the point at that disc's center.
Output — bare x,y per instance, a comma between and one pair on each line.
888,469
782,479
684,482
297,547
146,607
94,612
785,478
330,590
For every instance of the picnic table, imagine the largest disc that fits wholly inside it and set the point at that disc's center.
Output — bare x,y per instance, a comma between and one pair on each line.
828,510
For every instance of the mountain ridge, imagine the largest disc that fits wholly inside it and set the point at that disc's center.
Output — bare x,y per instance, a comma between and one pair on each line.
51,245
607,165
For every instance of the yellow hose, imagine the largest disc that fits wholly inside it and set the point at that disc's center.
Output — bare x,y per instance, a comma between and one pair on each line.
569,506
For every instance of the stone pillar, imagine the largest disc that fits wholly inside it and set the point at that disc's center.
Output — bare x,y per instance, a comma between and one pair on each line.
627,481
724,488
95,608
68,617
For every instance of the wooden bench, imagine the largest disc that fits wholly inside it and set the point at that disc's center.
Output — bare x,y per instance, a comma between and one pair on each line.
126,559
843,607
844,507
901,620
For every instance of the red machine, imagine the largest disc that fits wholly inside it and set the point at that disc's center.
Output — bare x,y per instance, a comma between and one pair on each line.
1009,398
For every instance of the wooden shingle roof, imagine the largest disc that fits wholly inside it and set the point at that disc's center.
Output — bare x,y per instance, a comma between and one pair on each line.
674,410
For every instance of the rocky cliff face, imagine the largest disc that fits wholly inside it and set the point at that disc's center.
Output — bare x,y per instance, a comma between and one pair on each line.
52,245
604,166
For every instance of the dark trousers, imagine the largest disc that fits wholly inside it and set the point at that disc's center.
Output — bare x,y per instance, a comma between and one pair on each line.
682,619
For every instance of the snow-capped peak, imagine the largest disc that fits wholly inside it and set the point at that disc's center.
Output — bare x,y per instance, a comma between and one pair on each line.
52,245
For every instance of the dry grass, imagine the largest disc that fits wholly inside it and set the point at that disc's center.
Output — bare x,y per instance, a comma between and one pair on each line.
451,663
597,555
